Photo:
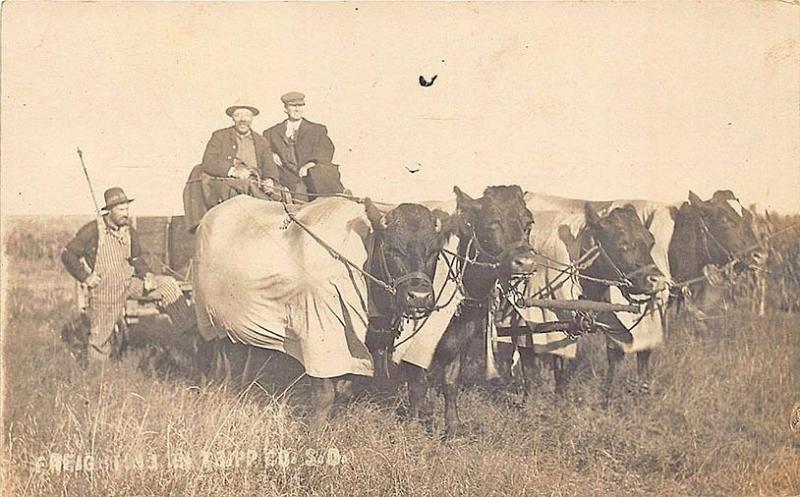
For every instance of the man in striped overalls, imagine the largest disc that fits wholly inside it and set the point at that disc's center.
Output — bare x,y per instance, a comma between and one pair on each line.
106,257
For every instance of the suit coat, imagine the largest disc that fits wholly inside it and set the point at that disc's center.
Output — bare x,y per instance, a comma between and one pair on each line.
221,151
312,144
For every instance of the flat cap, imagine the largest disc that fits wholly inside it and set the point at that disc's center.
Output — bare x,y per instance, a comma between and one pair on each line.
293,98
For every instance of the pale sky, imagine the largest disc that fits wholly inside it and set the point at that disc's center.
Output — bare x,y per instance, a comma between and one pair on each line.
586,100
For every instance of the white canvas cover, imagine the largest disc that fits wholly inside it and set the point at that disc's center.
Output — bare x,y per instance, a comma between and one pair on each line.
552,214
265,282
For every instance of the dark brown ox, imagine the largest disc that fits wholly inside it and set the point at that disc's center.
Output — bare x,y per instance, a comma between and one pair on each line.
626,245
709,236
494,232
407,242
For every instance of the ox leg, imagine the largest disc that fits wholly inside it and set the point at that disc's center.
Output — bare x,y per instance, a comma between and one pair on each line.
447,359
324,393
217,367
247,366
452,373
615,356
203,359
456,347
643,370
419,407
559,375
503,361
531,375
222,363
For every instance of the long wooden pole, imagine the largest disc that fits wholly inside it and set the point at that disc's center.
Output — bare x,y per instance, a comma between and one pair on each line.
579,305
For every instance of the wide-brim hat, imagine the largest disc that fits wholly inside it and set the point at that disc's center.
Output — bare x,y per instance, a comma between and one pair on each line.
115,196
241,104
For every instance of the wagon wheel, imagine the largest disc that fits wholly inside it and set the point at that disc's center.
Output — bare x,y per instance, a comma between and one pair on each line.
794,422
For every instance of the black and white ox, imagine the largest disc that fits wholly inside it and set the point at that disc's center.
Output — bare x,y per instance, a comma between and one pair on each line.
691,243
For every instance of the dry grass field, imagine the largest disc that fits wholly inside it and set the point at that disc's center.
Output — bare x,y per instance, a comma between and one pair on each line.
718,421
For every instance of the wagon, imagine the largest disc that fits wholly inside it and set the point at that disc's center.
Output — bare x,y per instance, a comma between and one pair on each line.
167,246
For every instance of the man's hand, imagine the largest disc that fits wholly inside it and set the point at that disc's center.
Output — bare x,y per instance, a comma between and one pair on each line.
149,282
240,171
277,159
92,281
713,274
303,172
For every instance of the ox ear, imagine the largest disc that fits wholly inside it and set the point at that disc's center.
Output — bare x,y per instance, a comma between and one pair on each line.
648,220
570,242
464,202
375,217
445,223
592,217
695,200
673,212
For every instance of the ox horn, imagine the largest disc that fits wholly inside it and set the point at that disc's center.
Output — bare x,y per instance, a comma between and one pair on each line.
694,199
376,218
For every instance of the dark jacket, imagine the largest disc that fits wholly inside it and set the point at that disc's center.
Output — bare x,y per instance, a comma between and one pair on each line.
312,144
84,245
221,151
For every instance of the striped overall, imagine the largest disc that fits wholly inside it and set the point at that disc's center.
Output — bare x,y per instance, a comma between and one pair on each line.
107,299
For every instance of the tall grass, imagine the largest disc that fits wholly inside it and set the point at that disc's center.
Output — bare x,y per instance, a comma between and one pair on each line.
717,423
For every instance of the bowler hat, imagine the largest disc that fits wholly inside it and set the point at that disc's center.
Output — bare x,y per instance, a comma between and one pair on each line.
293,98
115,196
241,104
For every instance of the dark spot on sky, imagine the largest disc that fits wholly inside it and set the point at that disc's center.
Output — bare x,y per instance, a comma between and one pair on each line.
729,124
356,9
425,82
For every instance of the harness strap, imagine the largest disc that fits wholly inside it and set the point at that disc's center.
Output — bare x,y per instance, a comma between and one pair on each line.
338,256
709,235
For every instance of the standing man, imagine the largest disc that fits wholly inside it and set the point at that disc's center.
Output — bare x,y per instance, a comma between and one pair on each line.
107,258
303,151
232,157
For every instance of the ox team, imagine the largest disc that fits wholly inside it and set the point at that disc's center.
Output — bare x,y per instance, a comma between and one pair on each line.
293,160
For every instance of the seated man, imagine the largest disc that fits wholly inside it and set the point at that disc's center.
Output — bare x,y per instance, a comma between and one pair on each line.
105,256
233,157
303,152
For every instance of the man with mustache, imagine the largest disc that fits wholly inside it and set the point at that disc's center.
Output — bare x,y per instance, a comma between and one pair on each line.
233,156
106,257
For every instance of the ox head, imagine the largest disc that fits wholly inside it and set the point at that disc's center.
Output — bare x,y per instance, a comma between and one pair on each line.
409,239
728,228
501,225
626,243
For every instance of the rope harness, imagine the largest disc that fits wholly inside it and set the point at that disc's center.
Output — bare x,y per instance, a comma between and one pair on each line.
391,287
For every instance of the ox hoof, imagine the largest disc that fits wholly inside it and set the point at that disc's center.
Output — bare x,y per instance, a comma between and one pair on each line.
460,430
